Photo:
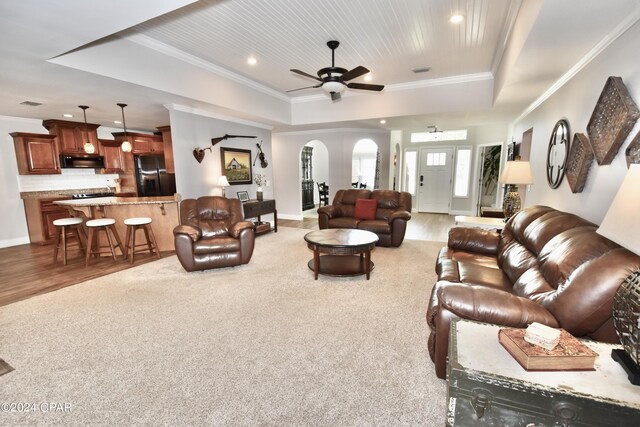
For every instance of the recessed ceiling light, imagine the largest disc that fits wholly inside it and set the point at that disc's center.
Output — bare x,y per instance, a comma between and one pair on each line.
456,19
383,121
368,78
67,115
117,122
252,60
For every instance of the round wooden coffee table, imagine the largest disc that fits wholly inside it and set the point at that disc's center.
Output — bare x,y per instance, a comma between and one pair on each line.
348,252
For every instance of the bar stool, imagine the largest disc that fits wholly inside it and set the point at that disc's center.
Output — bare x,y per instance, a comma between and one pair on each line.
95,226
133,225
61,234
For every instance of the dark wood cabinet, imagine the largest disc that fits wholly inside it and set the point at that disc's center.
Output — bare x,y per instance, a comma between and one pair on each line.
142,143
308,201
168,148
257,208
72,135
35,153
114,160
40,216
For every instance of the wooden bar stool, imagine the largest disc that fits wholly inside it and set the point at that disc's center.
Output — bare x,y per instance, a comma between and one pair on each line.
133,225
61,234
102,224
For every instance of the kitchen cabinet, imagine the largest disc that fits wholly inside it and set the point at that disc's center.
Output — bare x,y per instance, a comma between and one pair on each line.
72,135
168,148
142,143
40,216
35,153
114,160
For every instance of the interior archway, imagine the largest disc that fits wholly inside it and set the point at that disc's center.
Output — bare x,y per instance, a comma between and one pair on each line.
365,164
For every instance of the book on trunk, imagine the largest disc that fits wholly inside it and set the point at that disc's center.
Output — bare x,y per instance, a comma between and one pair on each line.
569,355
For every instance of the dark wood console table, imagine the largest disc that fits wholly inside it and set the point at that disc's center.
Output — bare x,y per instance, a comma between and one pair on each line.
257,208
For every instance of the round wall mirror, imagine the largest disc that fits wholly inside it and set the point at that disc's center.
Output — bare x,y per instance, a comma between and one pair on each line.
557,153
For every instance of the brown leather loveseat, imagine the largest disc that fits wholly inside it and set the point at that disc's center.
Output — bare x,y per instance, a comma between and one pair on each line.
212,233
391,216
547,266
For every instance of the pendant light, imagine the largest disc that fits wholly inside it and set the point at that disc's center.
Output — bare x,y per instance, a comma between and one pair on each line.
89,148
126,145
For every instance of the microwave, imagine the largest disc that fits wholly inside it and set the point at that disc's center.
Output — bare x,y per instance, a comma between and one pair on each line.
89,161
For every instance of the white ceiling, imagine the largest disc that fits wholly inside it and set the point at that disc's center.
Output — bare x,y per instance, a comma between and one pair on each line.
487,69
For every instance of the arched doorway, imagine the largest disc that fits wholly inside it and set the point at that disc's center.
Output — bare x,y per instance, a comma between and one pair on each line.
365,164
314,169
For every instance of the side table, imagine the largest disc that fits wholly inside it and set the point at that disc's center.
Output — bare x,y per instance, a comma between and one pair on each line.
257,208
487,387
480,221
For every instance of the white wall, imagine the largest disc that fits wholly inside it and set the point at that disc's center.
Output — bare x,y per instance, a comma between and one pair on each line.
194,179
575,102
339,142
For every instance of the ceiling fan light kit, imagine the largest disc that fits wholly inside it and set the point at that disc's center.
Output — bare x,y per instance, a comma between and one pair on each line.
334,79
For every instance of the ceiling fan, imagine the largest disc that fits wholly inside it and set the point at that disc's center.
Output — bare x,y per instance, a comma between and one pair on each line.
334,79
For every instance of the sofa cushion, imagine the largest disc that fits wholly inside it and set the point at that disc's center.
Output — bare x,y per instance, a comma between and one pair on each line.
216,245
344,222
365,209
375,226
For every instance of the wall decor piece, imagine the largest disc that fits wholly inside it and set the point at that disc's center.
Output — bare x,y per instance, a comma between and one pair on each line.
633,151
236,165
557,153
243,196
579,162
612,120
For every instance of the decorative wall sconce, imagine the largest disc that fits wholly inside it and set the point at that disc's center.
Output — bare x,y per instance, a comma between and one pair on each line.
198,153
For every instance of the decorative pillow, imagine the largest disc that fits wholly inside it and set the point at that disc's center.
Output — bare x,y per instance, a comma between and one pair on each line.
365,209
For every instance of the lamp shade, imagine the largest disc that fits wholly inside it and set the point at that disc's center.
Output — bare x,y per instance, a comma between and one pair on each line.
621,224
333,87
223,181
516,172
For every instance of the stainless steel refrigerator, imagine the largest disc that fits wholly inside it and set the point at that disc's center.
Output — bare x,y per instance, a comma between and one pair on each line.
152,177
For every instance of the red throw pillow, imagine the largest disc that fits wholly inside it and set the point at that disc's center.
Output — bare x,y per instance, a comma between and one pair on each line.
365,209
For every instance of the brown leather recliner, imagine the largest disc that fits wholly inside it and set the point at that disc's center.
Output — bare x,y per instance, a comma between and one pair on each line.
213,233
547,266
392,214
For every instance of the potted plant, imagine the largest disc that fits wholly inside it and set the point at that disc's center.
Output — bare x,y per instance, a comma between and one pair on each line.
260,180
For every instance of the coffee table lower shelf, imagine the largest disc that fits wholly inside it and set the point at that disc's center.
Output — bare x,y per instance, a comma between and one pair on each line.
341,265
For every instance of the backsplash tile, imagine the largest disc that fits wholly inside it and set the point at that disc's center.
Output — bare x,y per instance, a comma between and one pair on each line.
69,179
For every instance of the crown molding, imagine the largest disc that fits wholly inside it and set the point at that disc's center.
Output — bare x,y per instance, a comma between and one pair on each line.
204,113
180,55
604,43
330,130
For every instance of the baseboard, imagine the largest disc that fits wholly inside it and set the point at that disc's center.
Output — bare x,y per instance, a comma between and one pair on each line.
14,242
293,217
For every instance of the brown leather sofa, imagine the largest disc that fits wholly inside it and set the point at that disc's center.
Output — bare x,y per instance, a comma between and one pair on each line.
212,233
547,266
392,214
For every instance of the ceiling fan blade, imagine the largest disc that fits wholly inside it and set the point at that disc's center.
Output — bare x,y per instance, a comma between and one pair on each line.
301,88
335,96
356,72
302,73
365,86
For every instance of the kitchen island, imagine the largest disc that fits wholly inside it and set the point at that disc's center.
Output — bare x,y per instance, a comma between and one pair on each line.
162,210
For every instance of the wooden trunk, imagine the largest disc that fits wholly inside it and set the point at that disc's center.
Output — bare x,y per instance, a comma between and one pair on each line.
487,387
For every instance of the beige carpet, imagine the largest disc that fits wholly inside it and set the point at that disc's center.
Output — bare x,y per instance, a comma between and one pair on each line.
261,344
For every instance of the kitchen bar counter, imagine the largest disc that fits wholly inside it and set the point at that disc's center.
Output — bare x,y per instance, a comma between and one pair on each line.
51,194
162,210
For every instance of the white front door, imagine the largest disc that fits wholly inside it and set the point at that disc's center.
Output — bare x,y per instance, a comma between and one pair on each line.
434,179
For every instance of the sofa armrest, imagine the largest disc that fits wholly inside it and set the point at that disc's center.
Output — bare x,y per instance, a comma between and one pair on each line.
474,240
330,211
237,228
194,233
404,215
491,306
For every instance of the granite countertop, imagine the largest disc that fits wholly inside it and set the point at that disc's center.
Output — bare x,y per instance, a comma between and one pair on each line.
46,194
115,201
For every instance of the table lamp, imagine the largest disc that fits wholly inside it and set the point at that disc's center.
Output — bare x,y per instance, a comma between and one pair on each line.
621,225
223,182
515,172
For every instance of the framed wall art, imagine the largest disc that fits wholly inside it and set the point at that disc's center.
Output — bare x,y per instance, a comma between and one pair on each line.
612,120
236,165
557,153
579,162
632,152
